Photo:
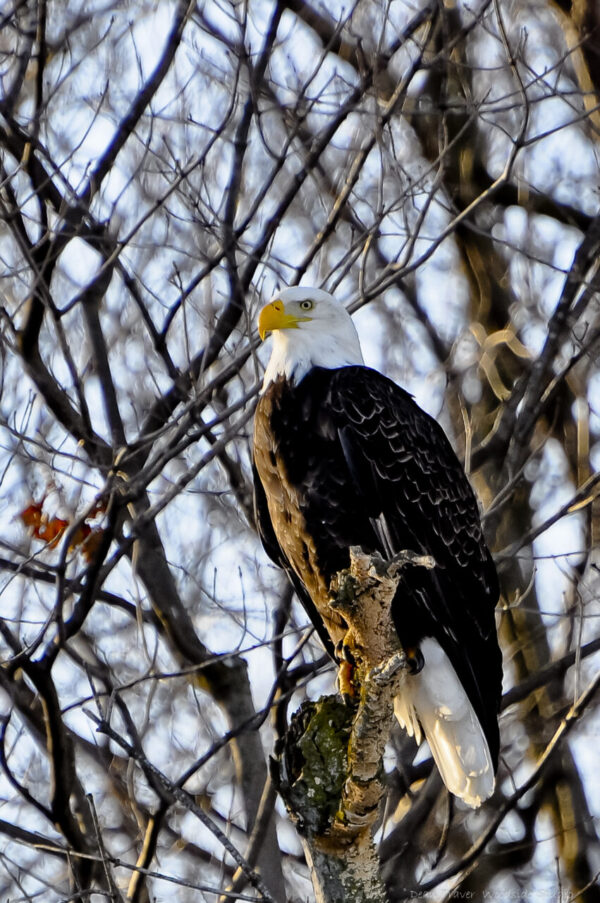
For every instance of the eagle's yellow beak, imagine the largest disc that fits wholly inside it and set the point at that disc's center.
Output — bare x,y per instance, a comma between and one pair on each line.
274,316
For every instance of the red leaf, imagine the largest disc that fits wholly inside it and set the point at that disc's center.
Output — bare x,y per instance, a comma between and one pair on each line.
32,515
50,531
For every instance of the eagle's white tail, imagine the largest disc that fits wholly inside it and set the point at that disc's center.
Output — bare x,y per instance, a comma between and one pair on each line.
434,701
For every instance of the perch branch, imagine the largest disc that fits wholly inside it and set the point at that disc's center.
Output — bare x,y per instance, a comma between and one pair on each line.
330,762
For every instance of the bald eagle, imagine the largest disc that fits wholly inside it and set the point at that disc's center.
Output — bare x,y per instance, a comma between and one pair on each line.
344,457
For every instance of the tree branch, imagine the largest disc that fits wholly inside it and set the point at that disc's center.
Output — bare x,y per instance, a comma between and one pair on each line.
330,762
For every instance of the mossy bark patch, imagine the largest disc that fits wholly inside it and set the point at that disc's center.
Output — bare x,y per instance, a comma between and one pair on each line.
315,762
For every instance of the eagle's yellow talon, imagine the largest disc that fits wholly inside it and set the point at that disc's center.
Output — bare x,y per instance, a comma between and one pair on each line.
346,681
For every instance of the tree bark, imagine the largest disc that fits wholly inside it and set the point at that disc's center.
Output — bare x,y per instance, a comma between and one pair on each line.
330,764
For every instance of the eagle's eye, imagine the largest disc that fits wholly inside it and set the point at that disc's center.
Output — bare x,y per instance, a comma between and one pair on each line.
306,305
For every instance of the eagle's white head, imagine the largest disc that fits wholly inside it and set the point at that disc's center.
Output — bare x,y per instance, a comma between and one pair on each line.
310,329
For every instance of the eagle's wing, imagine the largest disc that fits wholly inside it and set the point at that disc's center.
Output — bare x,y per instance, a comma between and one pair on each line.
402,458
271,546
418,498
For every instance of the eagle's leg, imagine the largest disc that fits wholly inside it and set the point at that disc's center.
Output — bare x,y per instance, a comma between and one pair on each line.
346,677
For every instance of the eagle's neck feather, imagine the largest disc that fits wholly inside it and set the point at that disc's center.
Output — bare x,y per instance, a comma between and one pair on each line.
297,351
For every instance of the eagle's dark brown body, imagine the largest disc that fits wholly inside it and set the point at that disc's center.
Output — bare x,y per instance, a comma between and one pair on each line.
347,458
